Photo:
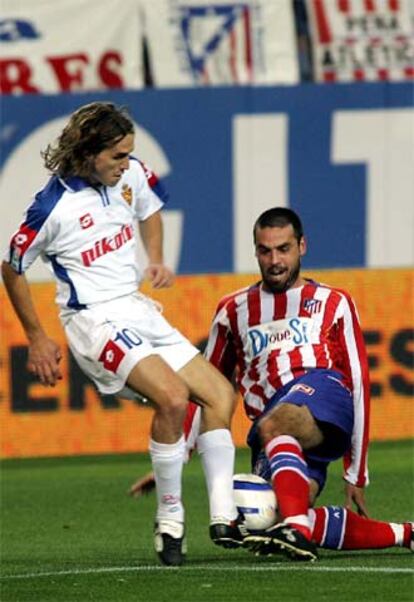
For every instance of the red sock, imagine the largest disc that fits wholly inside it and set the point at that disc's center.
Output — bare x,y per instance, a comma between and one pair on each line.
290,481
341,529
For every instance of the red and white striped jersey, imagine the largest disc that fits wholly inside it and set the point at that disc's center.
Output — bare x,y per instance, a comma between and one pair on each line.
362,40
265,340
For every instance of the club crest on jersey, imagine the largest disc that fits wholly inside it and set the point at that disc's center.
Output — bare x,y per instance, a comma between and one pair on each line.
312,306
282,335
86,221
127,193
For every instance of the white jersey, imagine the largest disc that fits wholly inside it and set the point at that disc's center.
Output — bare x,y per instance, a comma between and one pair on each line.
86,234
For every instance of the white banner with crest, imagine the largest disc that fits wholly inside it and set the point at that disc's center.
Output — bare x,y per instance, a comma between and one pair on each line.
210,42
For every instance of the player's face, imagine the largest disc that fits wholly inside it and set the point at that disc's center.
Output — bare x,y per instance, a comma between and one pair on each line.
109,164
278,253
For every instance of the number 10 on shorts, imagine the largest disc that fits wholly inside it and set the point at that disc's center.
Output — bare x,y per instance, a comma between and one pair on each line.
128,338
113,354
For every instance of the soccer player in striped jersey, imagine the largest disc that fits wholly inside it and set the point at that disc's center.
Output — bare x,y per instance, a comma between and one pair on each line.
296,351
82,225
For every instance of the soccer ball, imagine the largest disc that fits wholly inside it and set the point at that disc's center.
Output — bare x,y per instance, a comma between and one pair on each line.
255,500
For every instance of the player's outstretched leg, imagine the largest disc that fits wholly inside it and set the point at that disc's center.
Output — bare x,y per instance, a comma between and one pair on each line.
337,528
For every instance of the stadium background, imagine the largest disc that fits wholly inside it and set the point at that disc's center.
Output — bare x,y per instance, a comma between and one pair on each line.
341,154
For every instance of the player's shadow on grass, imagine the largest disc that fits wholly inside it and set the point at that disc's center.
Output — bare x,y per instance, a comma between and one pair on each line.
332,555
229,559
326,557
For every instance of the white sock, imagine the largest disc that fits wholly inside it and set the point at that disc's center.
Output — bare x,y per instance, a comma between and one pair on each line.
167,463
216,449
399,533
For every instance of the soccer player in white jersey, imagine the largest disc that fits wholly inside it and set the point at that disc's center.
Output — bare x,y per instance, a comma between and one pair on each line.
82,225
296,350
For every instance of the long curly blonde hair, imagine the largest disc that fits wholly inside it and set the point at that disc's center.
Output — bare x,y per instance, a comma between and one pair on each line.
90,130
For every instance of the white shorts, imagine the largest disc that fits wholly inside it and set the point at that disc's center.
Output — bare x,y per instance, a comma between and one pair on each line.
109,339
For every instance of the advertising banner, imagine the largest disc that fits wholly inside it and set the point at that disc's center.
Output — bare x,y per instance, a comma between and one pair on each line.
49,47
342,156
72,418
206,43
362,40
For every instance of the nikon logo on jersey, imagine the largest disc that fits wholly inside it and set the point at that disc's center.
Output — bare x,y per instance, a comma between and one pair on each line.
107,245
280,334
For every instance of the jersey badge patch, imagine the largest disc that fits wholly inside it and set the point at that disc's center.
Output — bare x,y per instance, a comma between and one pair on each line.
86,221
308,390
127,193
312,306
111,356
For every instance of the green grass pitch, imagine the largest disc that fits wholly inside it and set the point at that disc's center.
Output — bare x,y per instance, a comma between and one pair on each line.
69,531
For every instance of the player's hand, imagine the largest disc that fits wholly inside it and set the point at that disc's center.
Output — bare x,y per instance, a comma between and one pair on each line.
44,358
159,275
355,495
143,486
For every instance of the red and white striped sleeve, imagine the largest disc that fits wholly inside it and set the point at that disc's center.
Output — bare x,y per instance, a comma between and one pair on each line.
355,366
220,350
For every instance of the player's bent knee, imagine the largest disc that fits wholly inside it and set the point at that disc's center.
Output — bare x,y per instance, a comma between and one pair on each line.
313,492
283,420
172,405
268,429
223,396
173,397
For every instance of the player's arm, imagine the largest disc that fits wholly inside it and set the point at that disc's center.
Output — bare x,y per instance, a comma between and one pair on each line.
150,198
44,354
356,461
143,486
220,349
151,231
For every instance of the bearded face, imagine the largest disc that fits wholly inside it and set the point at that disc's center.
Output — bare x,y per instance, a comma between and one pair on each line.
279,255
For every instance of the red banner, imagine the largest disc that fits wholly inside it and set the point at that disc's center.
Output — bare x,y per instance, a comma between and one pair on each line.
76,46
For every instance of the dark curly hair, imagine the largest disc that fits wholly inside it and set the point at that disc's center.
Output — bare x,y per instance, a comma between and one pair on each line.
90,130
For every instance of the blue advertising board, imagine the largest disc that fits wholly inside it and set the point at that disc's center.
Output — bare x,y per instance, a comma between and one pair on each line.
226,154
